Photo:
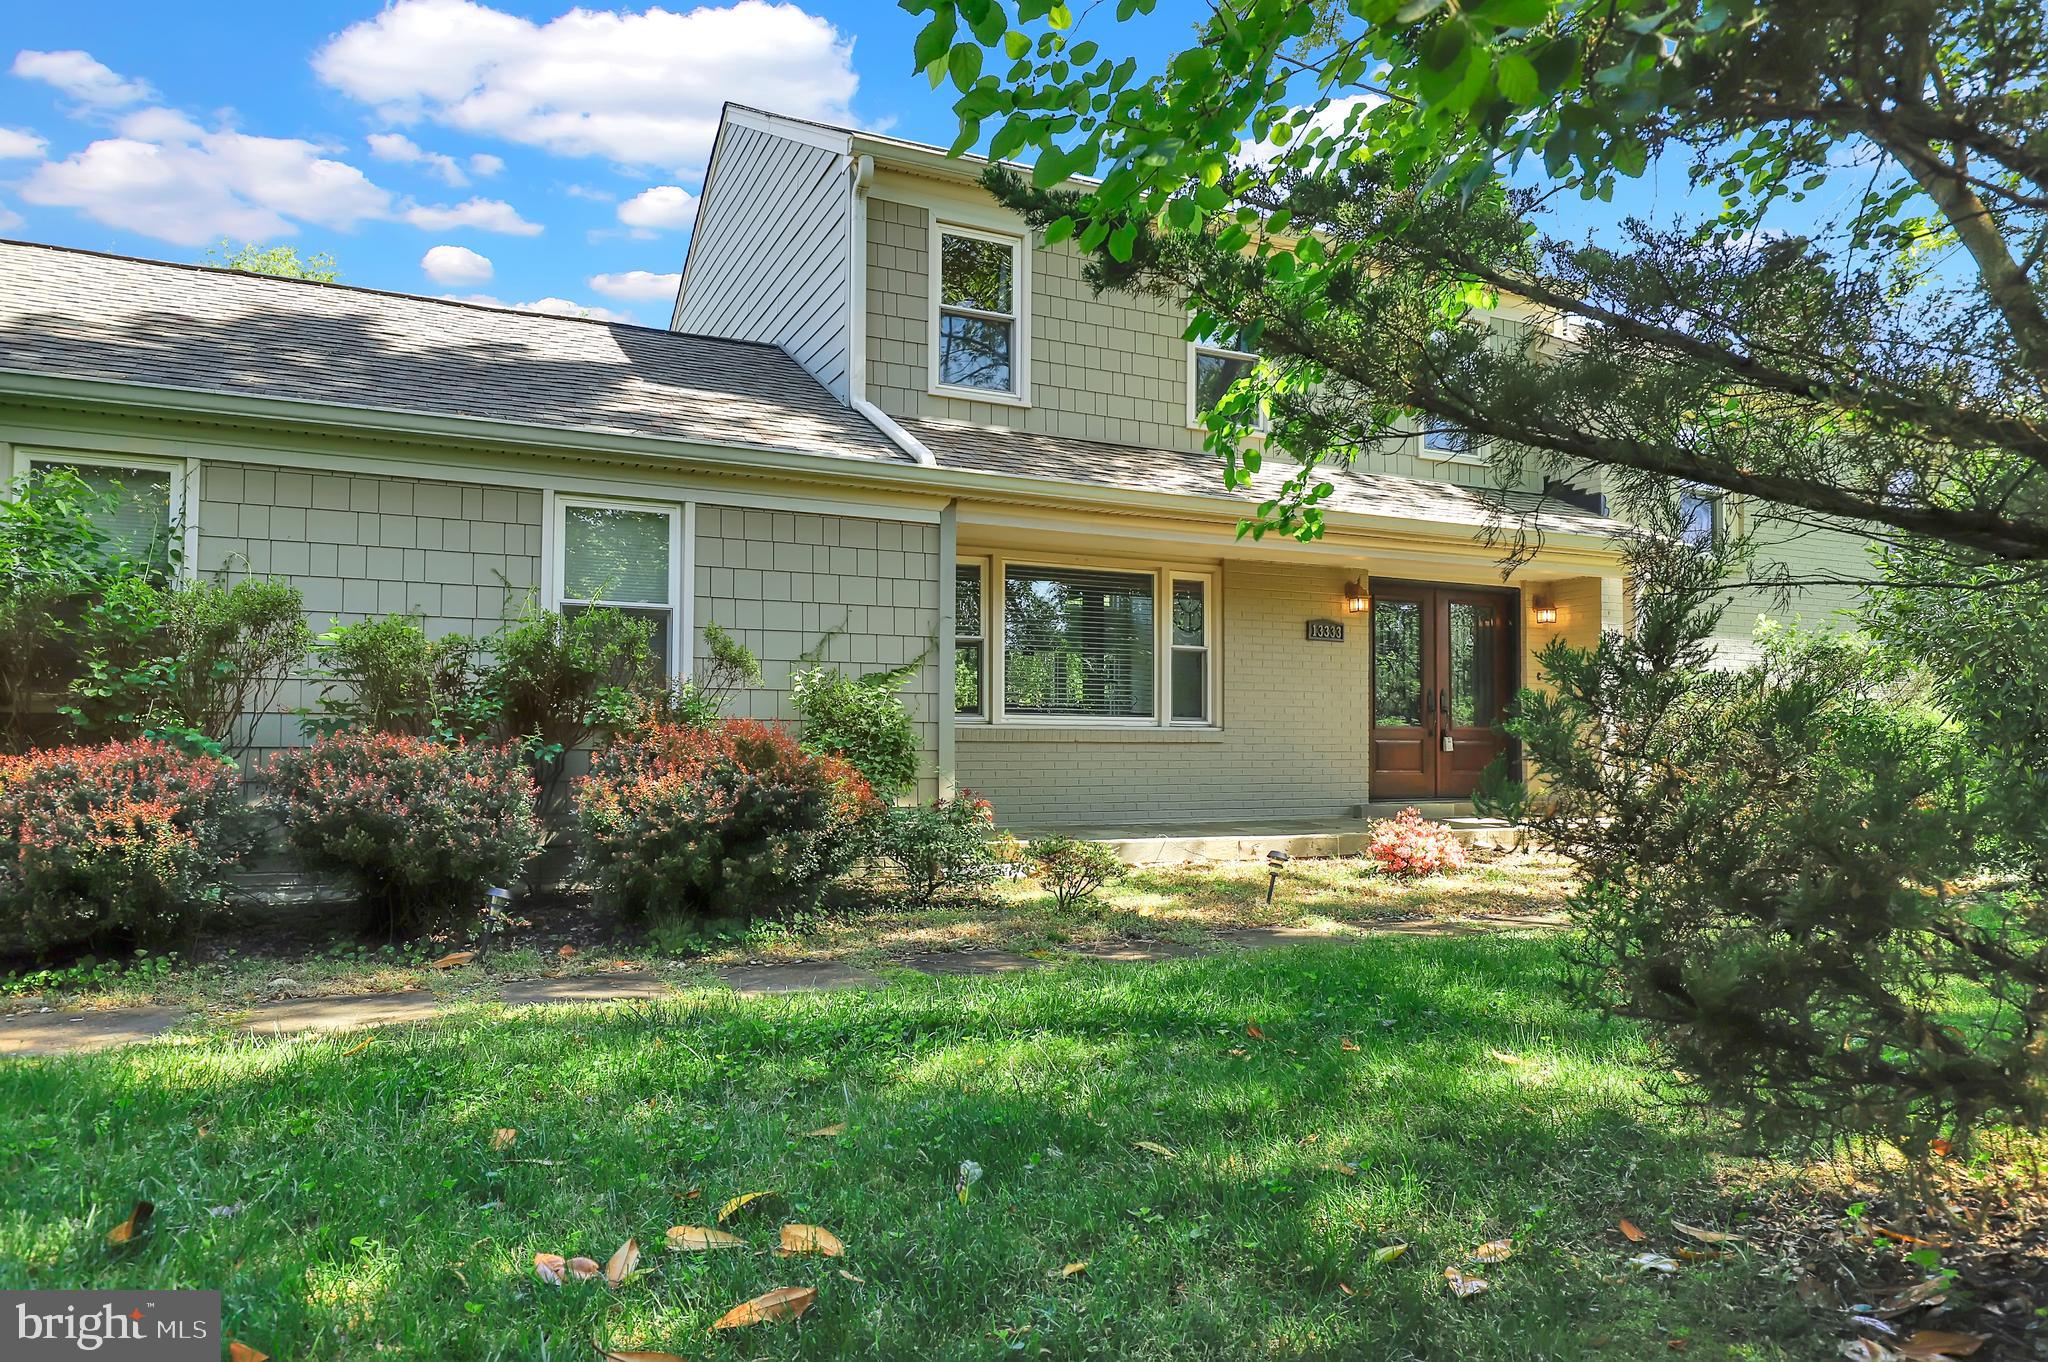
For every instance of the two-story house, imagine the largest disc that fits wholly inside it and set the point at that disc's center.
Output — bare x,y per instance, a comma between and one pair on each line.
885,418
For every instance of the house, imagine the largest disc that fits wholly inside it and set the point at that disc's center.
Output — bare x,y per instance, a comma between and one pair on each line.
883,417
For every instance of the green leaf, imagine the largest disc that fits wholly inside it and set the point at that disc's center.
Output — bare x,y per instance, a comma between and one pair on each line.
934,38
964,63
1121,241
1516,77
1058,230
1416,10
1631,155
1060,17
1016,46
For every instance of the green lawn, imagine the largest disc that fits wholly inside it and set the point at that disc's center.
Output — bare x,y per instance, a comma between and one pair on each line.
375,1217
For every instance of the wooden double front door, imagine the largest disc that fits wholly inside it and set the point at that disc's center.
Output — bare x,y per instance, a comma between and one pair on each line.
1442,675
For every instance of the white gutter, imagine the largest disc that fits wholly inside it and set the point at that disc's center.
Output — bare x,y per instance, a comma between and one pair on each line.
860,173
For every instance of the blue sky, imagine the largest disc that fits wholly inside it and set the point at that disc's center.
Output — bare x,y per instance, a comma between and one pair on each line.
533,155
528,154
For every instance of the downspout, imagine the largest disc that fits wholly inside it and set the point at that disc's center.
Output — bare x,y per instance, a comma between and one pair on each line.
860,173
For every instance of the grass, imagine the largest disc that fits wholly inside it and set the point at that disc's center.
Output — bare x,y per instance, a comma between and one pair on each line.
293,952
368,1213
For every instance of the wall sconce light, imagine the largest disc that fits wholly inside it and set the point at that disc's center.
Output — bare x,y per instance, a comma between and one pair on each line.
1544,609
1355,599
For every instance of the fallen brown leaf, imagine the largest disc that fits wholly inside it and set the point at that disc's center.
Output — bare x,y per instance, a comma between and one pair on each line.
857,1281
697,1239
1702,1255
1074,1269
565,953
1346,1044
784,1302
1254,1032
355,1049
1930,1292
1694,1232
585,1269
503,1136
798,1239
242,1352
1154,1147
624,1259
1387,1253
1931,1343
1462,1285
452,960
549,1267
1495,1251
1630,1232
836,1128
136,1223
1901,1237
1506,1058
746,1201
1866,1350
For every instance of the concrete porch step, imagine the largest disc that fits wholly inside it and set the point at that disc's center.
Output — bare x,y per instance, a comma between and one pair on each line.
1251,839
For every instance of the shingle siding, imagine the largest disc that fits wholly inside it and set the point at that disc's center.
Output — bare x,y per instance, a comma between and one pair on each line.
781,581
358,547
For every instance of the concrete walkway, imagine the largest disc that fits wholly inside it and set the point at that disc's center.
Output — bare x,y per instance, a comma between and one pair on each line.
1184,843
71,1031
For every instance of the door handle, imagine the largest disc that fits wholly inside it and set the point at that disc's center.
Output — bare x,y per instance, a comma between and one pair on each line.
1429,714
1443,705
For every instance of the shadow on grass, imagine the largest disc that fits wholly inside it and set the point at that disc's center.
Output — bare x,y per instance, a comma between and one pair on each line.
369,1209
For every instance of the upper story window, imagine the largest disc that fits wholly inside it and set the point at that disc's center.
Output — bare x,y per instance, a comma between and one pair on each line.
141,503
1451,444
978,326
1213,366
1702,513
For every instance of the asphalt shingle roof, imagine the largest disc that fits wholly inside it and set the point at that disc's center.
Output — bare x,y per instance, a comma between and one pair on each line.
79,314
1019,453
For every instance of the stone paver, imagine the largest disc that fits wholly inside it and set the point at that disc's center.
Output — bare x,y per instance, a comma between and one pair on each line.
317,1015
81,1033
798,976
591,988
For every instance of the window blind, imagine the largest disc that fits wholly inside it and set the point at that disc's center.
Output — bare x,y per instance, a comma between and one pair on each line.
1078,642
612,553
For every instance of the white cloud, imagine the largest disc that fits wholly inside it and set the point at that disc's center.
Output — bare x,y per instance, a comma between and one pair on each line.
159,125
637,286
662,208
485,164
584,191
1330,119
558,307
9,219
455,265
396,146
19,145
77,74
192,186
486,215
638,88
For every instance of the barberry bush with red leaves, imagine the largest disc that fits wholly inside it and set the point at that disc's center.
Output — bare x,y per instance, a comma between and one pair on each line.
420,828
115,842
726,819
1410,846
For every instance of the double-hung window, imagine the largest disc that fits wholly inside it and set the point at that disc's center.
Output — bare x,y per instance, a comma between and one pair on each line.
1450,444
970,641
1213,366
1084,645
140,504
1701,515
978,288
627,557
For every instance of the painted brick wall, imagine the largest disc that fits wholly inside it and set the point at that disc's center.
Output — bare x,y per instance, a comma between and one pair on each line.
361,546
1293,742
779,581
1111,367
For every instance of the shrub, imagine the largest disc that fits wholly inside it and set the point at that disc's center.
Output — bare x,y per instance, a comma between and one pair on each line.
728,666
419,827
861,719
122,839
1410,846
555,681
387,676
186,663
1073,870
948,846
734,816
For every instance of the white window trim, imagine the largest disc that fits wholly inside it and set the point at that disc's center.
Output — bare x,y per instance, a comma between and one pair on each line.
1463,456
1020,320
980,633
185,474
995,576
1718,522
682,545
1196,349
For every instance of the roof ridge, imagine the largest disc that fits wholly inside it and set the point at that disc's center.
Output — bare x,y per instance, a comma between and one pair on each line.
501,309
